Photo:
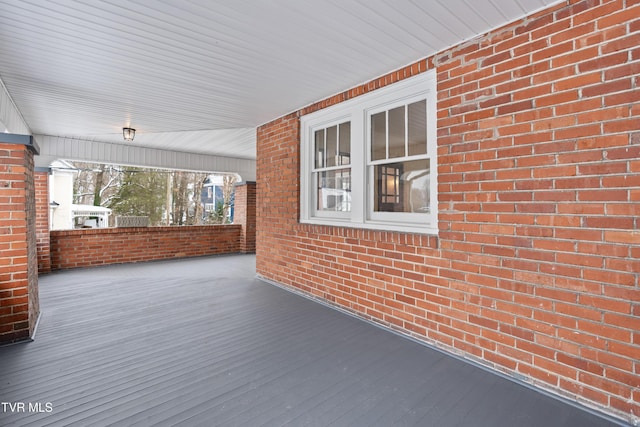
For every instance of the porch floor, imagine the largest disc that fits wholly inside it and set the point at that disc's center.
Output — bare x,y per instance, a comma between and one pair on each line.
203,342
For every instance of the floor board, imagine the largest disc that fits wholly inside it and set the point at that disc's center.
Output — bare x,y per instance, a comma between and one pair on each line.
203,342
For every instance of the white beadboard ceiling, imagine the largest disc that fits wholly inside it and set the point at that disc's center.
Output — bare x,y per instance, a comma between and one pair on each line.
199,75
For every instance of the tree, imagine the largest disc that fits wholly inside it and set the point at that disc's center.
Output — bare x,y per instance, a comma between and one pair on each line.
180,197
228,187
97,191
141,193
166,197
198,184
95,184
217,216
187,205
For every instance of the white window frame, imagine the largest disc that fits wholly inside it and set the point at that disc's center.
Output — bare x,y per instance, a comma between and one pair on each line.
312,178
358,111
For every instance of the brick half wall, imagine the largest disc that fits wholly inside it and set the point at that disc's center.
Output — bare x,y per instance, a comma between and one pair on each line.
19,303
535,270
245,214
93,247
41,179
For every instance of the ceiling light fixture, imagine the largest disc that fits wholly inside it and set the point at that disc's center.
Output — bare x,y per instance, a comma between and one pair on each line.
128,134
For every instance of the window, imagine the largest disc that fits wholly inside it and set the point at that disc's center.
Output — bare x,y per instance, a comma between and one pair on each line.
371,161
332,171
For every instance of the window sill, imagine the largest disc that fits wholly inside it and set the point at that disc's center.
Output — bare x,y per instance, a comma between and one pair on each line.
375,225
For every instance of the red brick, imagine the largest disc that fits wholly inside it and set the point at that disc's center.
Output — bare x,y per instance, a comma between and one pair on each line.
540,374
618,17
603,195
158,243
554,50
566,140
530,25
601,62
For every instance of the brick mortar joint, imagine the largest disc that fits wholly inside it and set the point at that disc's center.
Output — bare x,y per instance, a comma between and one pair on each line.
513,374
453,53
190,229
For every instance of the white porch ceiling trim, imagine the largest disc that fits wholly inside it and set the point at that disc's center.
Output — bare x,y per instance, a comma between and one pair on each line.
53,148
199,76
10,117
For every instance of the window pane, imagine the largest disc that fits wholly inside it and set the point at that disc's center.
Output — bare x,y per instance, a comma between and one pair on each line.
390,182
319,150
334,190
345,144
396,132
332,146
418,128
379,136
402,187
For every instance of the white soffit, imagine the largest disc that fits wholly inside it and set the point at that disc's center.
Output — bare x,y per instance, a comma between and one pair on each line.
200,75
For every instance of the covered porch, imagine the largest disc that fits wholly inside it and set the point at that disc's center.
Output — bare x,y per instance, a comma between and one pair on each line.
524,116
202,341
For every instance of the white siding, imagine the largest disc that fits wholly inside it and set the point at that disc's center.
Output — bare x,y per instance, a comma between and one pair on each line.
53,148
10,117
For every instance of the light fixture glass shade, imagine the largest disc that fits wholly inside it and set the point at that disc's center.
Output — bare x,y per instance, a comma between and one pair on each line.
128,134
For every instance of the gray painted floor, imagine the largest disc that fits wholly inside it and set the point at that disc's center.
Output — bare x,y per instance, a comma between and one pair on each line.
202,342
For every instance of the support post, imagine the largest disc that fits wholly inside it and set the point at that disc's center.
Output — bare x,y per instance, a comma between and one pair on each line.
245,215
19,304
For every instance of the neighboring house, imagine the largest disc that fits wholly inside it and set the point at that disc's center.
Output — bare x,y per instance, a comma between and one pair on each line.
213,196
64,214
61,195
89,216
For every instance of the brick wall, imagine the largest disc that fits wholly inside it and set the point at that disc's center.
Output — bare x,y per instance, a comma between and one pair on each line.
245,215
93,247
535,270
41,180
19,306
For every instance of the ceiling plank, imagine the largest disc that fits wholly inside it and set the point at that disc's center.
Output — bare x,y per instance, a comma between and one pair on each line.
180,71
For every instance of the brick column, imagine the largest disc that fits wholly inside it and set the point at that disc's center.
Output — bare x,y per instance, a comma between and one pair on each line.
43,241
19,305
245,215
